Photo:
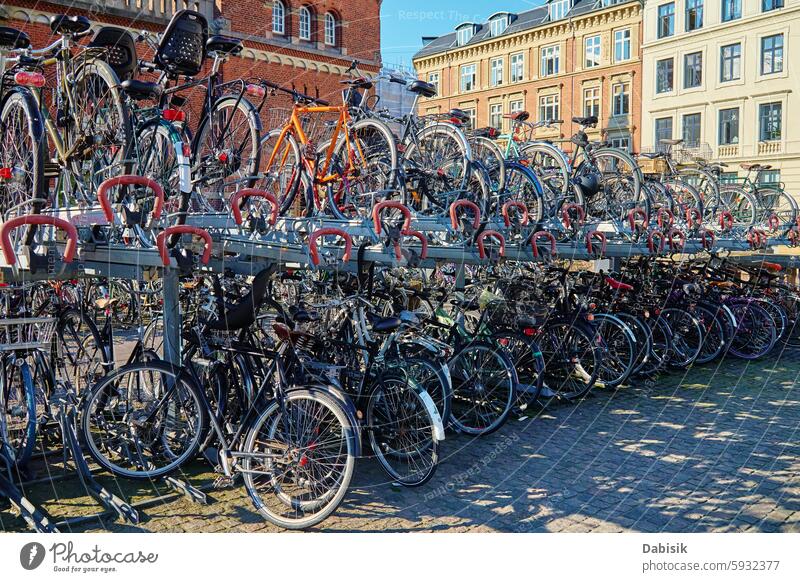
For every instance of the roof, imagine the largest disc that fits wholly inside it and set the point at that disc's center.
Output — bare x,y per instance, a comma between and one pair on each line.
527,20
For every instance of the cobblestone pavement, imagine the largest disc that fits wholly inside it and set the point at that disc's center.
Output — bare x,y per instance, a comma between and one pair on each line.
715,449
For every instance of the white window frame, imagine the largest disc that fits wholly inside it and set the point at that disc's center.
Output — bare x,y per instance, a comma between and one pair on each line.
551,54
468,70
496,114
597,51
278,17
558,9
464,35
433,79
517,66
330,29
591,94
616,98
496,66
552,102
497,26
622,38
304,23
516,106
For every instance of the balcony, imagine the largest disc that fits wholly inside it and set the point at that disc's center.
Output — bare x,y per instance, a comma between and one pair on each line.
151,10
727,151
769,148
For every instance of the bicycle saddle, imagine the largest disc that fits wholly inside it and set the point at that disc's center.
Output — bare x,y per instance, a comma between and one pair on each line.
749,166
585,121
459,114
106,302
384,324
671,142
64,24
618,285
243,314
653,155
422,88
224,44
518,116
360,83
138,90
11,38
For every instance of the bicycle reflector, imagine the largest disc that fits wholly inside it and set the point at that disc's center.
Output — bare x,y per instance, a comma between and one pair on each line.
6,173
256,91
173,115
29,79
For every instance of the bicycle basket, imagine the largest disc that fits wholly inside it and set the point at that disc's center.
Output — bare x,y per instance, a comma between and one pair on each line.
26,333
183,45
277,118
119,50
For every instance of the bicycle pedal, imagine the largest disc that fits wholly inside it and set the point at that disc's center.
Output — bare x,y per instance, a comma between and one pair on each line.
222,482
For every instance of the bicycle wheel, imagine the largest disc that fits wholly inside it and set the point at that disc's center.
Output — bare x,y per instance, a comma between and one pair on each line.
80,355
571,359
528,362
620,186
687,336
299,459
551,167
22,153
227,149
661,347
491,156
484,388
714,339
433,377
683,197
17,409
644,339
522,185
143,420
755,334
282,168
619,350
739,202
774,202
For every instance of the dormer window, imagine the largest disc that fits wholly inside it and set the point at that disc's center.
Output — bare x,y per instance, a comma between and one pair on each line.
498,23
559,8
464,33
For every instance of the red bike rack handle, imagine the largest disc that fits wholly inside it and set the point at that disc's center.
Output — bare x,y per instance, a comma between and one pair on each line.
495,235
651,241
694,217
708,239
726,220
757,238
593,235
774,221
40,219
637,213
466,204
672,240
519,206
566,217
242,195
662,212
378,208
312,243
548,236
421,237
161,241
129,180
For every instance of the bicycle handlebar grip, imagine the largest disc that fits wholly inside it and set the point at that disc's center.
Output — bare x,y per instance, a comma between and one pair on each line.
704,239
671,240
543,234
662,212
68,227
694,217
651,242
161,241
376,214
634,213
468,204
726,220
246,193
312,243
495,235
130,180
421,237
566,217
595,234
519,206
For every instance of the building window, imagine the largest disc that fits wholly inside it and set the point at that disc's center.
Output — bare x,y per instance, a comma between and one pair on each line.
517,67
731,10
772,54
622,45
517,106
665,73
548,108
666,20
433,79
770,116
550,56
729,126
496,115
496,69
692,129
692,70
621,143
591,102
622,98
592,51
278,17
728,177
730,65
663,129
304,18
771,177
330,29
468,77
694,15
473,119
498,25
464,34
767,5
559,9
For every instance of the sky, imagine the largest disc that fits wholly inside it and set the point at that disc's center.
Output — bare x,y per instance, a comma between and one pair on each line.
405,22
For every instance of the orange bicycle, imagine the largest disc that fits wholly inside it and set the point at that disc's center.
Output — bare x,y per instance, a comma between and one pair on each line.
343,166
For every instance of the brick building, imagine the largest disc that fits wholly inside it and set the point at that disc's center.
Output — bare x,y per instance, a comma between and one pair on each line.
566,58
305,43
